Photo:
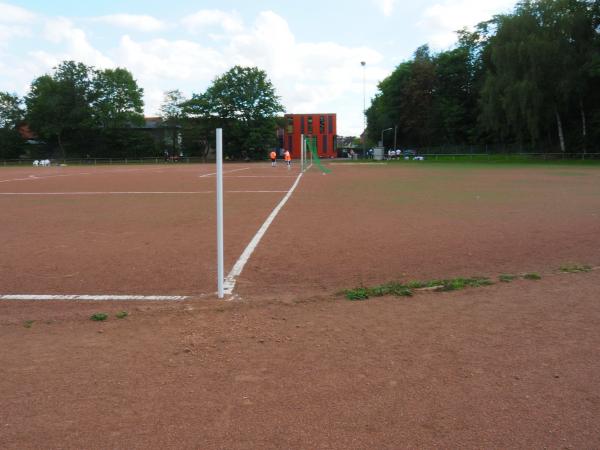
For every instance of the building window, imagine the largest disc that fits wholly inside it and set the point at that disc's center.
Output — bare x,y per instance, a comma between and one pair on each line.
310,128
289,149
290,125
301,124
330,124
325,149
322,124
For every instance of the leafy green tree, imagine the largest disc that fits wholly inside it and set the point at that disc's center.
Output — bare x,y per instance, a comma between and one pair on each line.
539,69
244,102
11,110
172,110
117,99
11,115
61,102
173,115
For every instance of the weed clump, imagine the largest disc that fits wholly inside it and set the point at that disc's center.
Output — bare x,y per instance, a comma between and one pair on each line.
407,290
99,317
532,276
506,277
574,268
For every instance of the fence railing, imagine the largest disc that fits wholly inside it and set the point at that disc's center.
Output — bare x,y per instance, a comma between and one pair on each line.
106,161
513,156
430,156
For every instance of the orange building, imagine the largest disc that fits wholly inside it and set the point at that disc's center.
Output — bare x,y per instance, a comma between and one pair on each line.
322,127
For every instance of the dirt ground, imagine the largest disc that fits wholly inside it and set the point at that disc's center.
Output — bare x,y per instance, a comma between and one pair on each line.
288,363
507,366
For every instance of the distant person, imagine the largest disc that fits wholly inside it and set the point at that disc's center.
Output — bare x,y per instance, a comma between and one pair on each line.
273,157
288,159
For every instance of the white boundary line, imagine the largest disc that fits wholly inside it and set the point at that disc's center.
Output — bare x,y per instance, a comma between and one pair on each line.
137,192
228,171
230,280
36,177
94,297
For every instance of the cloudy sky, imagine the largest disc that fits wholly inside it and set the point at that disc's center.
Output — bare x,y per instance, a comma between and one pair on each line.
311,50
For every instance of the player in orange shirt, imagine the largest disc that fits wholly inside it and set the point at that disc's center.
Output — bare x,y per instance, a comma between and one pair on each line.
288,159
273,157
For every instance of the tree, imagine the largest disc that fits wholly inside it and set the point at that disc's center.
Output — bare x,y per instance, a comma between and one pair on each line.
61,102
244,102
80,106
171,109
117,99
11,114
538,69
173,115
11,110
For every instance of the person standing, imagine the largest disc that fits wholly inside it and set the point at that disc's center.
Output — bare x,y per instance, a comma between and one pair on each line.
273,157
288,159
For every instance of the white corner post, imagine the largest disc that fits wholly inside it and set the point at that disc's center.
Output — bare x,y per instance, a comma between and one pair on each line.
302,148
220,270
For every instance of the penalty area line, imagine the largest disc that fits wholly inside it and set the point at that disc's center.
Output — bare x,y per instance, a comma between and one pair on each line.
231,278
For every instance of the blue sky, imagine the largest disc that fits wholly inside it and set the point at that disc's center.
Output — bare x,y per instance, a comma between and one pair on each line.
311,50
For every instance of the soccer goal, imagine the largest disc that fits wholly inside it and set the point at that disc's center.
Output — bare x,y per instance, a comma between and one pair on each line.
310,155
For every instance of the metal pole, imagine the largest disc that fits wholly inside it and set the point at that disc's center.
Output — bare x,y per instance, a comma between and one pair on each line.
220,271
363,64
395,132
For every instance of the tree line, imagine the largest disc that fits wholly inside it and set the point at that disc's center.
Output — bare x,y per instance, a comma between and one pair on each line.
528,80
78,111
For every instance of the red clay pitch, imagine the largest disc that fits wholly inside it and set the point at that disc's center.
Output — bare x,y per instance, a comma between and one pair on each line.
290,364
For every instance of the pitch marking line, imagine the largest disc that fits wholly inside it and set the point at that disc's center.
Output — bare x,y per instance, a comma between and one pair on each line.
358,164
44,297
140,193
231,279
37,177
228,171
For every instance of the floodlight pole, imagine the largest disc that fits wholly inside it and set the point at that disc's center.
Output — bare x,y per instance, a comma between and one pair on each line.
220,271
364,139
383,131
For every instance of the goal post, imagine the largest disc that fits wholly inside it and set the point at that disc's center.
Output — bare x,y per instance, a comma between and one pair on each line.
306,156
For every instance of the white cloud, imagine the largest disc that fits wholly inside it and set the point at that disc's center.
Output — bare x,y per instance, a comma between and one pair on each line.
8,32
15,14
444,18
309,76
15,22
210,18
61,31
135,22
386,6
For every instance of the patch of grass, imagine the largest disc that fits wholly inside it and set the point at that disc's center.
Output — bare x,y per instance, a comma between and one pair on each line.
424,284
532,276
456,284
121,314
99,317
507,278
407,290
574,268
28,323
357,294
